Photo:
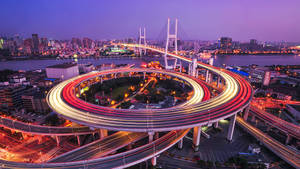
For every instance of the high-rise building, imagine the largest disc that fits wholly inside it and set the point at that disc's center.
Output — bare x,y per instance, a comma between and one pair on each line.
253,42
28,46
225,42
36,42
10,97
35,101
87,43
76,43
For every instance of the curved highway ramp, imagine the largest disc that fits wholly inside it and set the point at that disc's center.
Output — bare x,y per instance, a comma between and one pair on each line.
100,147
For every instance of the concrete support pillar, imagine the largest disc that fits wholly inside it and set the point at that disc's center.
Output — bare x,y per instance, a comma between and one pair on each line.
196,138
246,113
288,138
175,64
153,161
94,138
218,81
156,135
115,75
78,140
103,133
253,118
190,69
144,75
231,127
180,144
101,80
151,136
180,66
207,76
216,125
194,67
57,141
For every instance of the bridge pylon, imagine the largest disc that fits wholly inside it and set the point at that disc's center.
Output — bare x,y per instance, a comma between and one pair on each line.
169,38
142,41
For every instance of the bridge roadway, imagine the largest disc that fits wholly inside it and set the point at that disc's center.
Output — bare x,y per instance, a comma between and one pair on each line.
235,97
101,147
284,126
43,130
121,160
289,155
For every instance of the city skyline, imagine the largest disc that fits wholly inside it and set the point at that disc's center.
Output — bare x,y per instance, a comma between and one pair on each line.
116,19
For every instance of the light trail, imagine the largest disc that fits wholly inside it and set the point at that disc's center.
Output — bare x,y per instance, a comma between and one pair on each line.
178,120
234,98
289,155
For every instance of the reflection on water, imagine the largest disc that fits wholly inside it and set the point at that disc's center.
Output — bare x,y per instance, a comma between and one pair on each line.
242,60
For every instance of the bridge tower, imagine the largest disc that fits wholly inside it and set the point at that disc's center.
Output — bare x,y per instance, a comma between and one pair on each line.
142,39
169,38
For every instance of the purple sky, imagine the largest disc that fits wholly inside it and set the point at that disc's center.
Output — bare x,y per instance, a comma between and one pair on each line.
273,20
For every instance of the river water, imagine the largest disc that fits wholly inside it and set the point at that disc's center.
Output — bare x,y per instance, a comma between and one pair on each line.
233,60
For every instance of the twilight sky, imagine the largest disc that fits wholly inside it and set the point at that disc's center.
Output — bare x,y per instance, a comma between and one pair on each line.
273,20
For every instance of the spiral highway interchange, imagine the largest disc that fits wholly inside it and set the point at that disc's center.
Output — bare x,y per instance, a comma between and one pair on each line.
236,95
199,110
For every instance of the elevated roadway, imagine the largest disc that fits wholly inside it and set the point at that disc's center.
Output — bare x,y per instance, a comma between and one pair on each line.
43,130
121,160
235,97
282,125
289,155
100,147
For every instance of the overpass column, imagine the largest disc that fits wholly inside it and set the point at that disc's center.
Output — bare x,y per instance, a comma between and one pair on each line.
288,138
207,76
216,125
246,113
253,118
57,141
156,135
151,136
103,133
194,67
78,140
180,66
218,81
196,137
180,144
231,127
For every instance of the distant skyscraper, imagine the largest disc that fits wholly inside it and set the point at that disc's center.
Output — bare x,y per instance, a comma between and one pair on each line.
225,42
76,43
253,42
36,42
87,43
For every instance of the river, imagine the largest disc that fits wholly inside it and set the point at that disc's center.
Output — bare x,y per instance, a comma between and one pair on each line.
233,60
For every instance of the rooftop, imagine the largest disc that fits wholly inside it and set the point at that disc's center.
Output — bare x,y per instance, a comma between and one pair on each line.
63,65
